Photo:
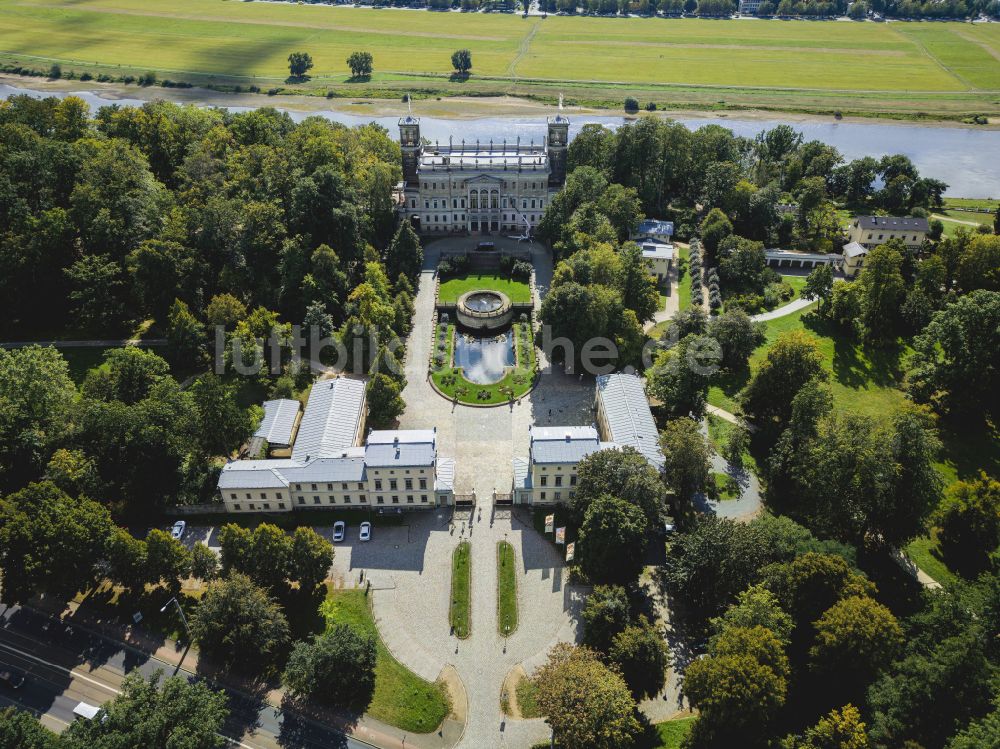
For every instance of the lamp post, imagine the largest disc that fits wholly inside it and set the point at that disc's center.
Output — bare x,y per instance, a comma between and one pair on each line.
187,629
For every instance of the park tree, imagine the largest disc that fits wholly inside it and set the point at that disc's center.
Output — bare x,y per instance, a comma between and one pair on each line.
624,474
384,401
461,61
263,554
881,291
156,714
299,64
50,542
74,472
223,425
714,228
968,522
36,402
956,355
185,336
238,624
680,375
739,688
638,289
980,734
204,563
793,361
167,559
128,375
360,64
856,638
742,264
587,704
812,583
640,652
310,558
225,310
404,256
162,271
928,696
606,613
19,729
979,267
580,314
756,607
738,337
819,285
838,729
688,460
335,667
612,541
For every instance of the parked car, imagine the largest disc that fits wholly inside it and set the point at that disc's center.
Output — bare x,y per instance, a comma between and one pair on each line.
338,531
177,531
11,677
669,528
366,531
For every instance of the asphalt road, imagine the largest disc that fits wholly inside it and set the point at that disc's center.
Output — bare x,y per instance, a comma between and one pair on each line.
65,665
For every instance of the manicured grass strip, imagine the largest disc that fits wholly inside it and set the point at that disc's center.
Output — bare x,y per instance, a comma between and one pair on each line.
506,589
461,590
401,698
453,288
683,281
673,732
526,691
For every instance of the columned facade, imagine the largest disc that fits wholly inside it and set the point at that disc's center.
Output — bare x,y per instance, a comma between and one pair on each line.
477,188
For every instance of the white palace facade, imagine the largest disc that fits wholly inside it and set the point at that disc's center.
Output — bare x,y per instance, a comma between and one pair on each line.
480,188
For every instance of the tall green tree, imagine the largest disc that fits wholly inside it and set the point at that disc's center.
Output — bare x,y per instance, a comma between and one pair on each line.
624,474
299,63
36,402
335,667
882,289
461,61
238,624
404,255
587,704
688,459
612,541
641,654
50,542
170,713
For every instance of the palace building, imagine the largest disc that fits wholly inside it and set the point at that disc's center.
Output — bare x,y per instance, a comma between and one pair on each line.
480,188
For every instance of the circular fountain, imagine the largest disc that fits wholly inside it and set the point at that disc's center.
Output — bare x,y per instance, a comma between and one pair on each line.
484,311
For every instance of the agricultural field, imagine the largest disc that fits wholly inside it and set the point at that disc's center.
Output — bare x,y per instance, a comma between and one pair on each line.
916,69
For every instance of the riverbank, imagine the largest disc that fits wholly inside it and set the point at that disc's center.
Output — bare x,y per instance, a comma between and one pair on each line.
449,108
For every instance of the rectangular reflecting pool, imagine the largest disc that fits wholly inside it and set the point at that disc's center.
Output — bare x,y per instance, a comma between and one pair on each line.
484,360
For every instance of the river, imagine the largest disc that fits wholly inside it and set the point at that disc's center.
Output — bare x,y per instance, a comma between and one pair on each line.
967,159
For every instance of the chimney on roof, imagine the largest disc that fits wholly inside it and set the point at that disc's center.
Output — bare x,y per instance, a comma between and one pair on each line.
568,436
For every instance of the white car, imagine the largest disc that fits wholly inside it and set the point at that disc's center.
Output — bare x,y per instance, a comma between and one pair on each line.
338,531
177,530
366,531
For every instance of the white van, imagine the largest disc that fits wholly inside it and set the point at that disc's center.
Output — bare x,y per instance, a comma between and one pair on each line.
86,711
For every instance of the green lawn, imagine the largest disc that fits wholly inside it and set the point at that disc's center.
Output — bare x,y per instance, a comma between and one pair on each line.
797,283
519,292
526,691
722,487
926,554
984,205
804,66
683,283
506,589
863,379
673,732
401,698
461,589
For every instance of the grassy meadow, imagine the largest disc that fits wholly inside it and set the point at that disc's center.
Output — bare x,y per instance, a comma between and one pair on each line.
948,69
